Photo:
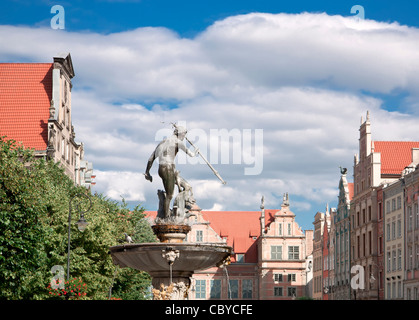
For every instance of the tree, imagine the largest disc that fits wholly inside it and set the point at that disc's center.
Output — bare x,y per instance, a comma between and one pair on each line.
34,207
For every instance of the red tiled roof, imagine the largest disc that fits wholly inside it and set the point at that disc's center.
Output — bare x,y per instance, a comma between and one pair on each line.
395,155
240,227
25,95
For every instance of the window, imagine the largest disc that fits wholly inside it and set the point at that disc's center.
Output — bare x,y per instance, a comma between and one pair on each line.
234,289
394,261
65,91
417,215
399,228
289,229
363,244
293,252
370,242
393,204
369,213
63,147
388,231
199,236
67,152
247,289
215,292
399,259
387,206
278,291
363,215
393,230
292,291
200,289
388,261
67,118
280,229
399,202
410,221
240,257
278,277
393,290
410,258
291,277
276,252
388,290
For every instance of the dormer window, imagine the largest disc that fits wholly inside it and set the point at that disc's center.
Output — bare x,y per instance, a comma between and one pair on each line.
65,91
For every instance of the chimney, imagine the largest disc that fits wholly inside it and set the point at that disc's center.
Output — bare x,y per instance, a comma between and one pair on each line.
415,155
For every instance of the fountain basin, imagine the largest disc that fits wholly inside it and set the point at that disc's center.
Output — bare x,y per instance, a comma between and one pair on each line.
149,257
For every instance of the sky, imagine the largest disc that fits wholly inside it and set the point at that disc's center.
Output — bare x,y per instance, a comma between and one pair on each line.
272,92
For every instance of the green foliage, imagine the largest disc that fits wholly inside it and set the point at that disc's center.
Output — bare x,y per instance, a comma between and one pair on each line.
34,209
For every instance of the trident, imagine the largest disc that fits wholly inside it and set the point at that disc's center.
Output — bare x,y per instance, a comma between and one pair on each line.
202,156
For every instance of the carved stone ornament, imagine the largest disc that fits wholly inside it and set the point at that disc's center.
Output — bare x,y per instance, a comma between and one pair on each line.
51,110
170,255
175,291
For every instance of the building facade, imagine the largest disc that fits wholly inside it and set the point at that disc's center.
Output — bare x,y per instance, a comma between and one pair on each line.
326,253
319,221
411,214
36,110
380,242
378,163
341,235
367,167
394,240
283,249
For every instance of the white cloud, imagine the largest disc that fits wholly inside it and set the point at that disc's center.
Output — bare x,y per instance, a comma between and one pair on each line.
305,79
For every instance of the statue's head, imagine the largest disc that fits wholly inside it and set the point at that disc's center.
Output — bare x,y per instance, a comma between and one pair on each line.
180,132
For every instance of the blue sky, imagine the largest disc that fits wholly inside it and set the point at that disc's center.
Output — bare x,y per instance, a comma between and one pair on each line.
302,71
188,17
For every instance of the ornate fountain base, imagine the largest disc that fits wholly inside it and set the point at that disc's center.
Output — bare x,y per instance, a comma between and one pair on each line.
175,289
171,265
171,233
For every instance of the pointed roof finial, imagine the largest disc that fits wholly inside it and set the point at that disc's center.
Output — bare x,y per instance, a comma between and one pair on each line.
262,203
368,115
285,200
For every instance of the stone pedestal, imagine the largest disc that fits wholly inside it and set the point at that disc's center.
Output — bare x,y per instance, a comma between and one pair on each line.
168,233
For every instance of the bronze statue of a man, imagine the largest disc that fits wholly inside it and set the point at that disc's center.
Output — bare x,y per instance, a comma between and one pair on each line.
166,153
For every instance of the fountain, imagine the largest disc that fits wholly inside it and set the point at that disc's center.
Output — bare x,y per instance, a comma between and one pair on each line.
172,261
